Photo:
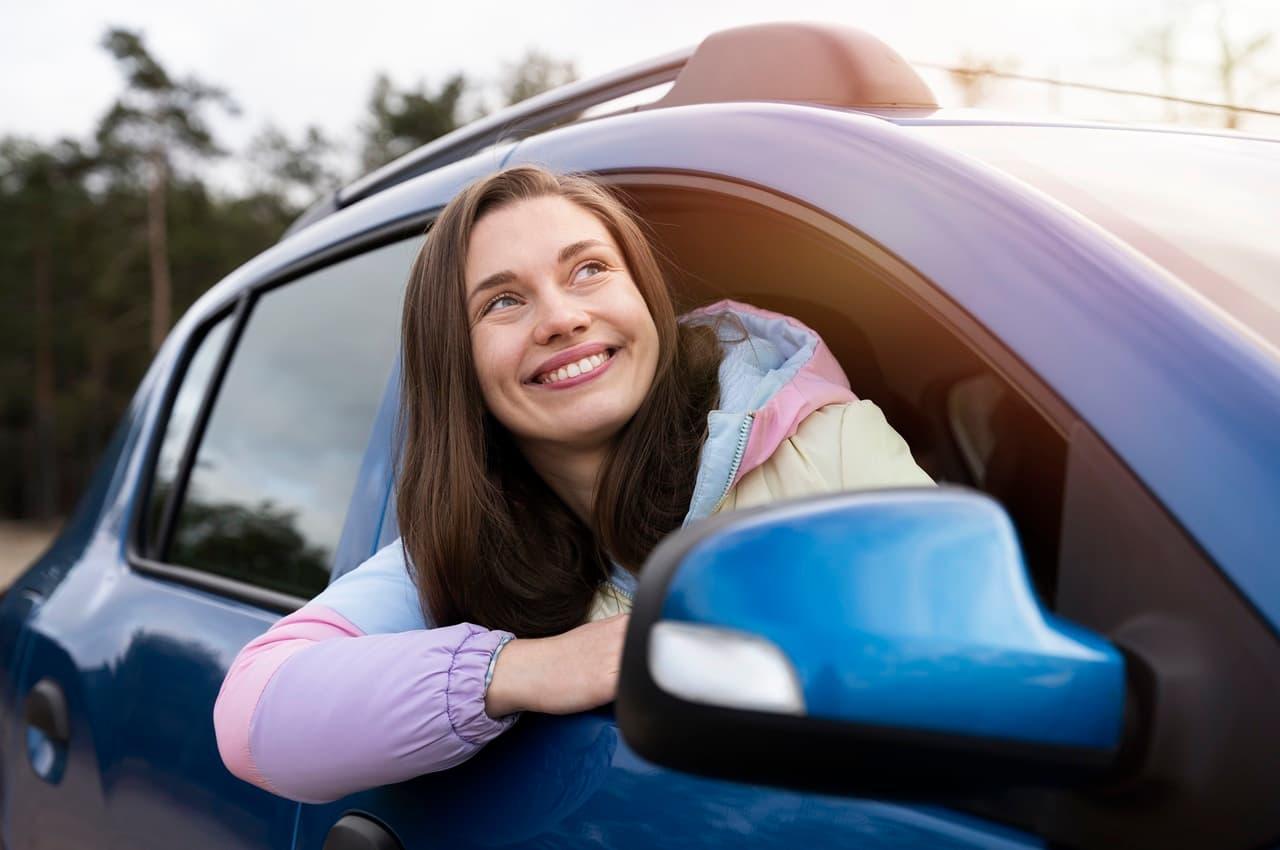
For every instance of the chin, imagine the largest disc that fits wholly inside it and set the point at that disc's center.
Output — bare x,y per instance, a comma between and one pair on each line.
585,431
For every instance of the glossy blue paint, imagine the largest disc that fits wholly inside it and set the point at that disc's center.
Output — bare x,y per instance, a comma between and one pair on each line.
910,609
1183,399
572,782
139,661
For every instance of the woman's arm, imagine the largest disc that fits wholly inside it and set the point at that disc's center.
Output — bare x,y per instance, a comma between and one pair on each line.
353,690
315,709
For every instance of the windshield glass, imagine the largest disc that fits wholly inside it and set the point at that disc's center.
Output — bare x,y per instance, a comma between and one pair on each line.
1206,208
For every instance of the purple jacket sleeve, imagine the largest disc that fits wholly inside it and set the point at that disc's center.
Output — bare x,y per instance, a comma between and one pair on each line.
314,709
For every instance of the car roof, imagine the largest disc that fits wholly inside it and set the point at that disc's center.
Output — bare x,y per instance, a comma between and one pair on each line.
823,64
826,65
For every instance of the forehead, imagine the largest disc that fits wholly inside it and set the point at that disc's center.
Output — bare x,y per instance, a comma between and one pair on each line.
525,236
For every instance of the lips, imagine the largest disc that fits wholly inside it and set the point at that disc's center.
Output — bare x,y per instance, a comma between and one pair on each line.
576,372
570,355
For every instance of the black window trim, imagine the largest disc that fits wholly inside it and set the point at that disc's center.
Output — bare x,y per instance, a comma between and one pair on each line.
173,504
236,309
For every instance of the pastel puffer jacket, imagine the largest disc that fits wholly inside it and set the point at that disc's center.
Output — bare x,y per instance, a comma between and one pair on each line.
355,690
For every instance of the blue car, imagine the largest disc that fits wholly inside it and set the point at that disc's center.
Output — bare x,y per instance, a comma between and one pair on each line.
1071,643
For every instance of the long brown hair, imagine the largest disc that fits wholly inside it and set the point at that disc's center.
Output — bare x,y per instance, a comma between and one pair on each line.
487,539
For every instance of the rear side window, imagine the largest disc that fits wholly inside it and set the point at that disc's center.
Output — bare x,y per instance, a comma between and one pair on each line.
275,469
182,419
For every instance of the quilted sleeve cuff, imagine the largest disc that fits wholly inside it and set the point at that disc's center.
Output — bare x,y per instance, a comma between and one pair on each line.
469,675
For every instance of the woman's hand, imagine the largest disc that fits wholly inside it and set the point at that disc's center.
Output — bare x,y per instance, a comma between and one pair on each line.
564,674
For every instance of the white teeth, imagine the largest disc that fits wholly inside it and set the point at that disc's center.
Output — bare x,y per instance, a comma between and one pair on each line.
573,370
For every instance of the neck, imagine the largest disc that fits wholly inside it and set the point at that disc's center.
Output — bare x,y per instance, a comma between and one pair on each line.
571,472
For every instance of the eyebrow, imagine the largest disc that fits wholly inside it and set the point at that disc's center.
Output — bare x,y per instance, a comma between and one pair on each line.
568,252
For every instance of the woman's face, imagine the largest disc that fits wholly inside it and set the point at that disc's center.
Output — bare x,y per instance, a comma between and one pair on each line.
563,342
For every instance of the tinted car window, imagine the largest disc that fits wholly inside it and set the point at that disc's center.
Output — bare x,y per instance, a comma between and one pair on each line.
182,417
276,467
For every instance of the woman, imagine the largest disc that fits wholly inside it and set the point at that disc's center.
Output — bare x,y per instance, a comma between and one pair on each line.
557,421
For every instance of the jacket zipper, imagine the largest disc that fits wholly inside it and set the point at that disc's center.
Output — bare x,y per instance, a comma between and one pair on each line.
737,459
618,591
738,452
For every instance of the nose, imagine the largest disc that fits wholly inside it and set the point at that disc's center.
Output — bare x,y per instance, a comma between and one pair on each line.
560,316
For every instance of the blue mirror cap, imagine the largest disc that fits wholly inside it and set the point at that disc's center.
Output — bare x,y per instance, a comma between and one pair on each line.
907,609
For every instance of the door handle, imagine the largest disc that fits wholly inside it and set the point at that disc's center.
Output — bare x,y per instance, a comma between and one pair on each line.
47,711
48,730
357,832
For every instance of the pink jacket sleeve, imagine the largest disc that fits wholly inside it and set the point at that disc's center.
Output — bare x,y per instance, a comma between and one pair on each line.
315,709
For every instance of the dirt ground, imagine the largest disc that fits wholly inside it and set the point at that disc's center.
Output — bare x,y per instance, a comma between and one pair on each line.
20,544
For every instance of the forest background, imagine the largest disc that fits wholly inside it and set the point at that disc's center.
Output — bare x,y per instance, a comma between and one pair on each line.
105,241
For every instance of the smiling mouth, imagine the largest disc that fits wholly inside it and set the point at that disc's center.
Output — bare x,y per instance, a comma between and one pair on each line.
577,369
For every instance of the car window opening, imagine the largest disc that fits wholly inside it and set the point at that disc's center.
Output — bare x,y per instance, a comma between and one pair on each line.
965,423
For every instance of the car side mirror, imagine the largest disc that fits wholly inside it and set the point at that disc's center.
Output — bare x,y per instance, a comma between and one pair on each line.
884,641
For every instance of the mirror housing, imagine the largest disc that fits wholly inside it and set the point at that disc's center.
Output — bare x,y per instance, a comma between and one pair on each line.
885,642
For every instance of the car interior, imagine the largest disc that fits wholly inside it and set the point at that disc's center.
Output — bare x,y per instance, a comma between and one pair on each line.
967,423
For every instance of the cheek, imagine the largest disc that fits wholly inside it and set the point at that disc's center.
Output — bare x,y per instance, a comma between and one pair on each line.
636,316
647,334
496,362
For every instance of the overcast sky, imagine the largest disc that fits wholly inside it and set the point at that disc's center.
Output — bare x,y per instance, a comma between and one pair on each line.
297,63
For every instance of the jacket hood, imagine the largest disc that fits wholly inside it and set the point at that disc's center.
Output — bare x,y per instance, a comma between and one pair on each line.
770,380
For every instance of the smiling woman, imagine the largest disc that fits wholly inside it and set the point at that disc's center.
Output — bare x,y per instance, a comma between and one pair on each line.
548,474
557,421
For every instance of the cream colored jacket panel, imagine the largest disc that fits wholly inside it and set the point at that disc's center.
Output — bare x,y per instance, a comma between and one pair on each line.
837,447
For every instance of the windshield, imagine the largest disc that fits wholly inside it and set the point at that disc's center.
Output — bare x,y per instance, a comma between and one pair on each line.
1206,208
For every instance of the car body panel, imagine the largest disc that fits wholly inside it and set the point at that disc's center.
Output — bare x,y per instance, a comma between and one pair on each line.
572,782
139,660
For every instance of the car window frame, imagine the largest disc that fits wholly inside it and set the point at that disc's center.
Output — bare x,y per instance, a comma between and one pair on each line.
237,308
893,270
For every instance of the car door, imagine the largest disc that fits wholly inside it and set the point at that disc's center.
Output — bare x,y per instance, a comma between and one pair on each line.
248,482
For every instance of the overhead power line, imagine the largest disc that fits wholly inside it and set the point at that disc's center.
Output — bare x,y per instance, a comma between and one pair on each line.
1066,84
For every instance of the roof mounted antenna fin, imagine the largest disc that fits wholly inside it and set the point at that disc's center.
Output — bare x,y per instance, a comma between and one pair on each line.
798,62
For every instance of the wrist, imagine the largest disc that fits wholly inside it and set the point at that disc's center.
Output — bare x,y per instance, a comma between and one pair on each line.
504,693
493,658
